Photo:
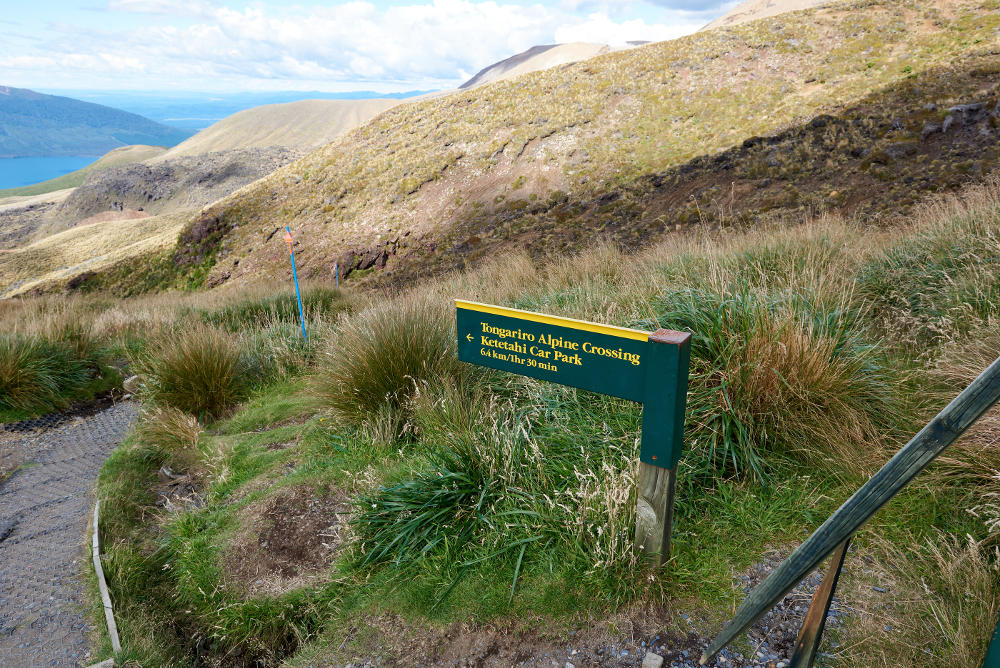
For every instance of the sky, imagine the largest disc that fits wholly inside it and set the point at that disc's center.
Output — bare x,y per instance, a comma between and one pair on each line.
334,46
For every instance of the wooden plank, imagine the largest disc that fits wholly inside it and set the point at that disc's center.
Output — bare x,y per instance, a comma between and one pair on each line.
102,585
930,442
812,626
654,517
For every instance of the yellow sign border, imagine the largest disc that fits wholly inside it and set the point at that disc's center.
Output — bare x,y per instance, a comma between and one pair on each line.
572,323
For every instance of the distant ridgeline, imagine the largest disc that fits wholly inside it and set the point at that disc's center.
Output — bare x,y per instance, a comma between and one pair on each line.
34,124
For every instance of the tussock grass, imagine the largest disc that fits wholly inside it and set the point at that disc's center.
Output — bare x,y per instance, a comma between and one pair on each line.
317,302
36,374
939,282
175,433
200,371
382,356
781,374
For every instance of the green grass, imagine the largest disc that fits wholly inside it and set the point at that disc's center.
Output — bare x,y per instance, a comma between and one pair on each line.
491,498
39,374
317,301
939,283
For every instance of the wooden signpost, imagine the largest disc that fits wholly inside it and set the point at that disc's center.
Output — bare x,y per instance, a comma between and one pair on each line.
651,368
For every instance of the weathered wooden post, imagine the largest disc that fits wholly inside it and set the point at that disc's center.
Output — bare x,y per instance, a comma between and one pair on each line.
617,361
904,466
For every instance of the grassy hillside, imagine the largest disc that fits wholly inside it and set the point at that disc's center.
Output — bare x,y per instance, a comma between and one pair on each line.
751,10
115,158
81,251
300,125
364,498
839,109
554,160
36,124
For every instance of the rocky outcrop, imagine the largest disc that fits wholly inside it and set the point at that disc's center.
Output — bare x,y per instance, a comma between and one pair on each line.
172,184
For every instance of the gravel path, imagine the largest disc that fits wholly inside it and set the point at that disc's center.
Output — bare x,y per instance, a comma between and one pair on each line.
44,512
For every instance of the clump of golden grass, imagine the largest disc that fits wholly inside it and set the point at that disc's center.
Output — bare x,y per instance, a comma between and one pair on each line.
175,433
380,357
200,371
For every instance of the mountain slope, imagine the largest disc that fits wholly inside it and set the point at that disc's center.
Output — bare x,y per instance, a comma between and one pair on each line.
456,178
844,108
751,10
298,125
36,124
534,59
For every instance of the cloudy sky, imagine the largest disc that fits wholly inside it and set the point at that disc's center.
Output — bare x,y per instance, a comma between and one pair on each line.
383,45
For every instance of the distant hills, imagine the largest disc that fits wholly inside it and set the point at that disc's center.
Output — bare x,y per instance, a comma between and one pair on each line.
536,58
302,125
35,124
751,10
194,110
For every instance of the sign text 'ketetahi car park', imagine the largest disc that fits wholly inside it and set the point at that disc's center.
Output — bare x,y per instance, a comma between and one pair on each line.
650,368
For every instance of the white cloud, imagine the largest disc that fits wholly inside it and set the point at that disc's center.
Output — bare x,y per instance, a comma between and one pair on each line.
600,28
172,7
198,44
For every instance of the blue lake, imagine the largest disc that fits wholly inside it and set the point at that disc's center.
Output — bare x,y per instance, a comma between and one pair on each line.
17,172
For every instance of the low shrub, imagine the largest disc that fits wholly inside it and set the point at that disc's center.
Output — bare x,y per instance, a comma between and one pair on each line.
202,372
780,374
382,355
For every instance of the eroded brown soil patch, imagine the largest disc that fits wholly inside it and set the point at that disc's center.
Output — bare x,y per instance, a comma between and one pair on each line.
287,537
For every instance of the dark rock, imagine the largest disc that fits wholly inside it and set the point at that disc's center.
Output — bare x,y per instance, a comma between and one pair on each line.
217,280
929,129
970,112
821,121
346,262
369,259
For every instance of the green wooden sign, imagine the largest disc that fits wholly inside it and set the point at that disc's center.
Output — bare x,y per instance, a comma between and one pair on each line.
651,368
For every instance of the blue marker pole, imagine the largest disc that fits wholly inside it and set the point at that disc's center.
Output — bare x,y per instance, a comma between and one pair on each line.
298,293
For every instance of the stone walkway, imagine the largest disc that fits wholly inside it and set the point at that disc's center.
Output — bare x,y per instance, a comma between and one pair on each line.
44,511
